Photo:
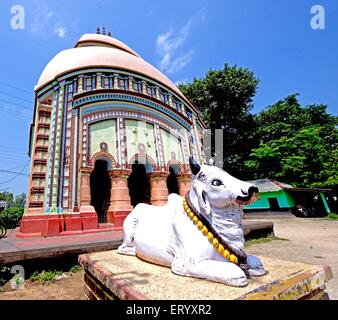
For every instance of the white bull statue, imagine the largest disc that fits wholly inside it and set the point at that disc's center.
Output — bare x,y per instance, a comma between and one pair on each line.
200,235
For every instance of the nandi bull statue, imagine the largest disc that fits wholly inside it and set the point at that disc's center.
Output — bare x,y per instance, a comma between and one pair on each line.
199,235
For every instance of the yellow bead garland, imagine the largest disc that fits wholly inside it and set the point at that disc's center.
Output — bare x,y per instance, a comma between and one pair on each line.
215,242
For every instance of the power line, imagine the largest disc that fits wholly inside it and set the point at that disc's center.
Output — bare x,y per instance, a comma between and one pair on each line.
13,172
15,97
13,87
15,113
15,104
17,174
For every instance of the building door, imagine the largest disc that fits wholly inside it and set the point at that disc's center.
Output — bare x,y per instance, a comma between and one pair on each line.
274,205
100,186
139,185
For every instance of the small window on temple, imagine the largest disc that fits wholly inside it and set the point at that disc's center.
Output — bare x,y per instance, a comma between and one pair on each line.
105,83
70,94
137,86
88,84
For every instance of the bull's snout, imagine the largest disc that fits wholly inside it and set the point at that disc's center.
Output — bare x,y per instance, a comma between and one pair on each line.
248,195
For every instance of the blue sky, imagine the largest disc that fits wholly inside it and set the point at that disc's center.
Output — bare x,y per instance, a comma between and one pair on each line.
182,38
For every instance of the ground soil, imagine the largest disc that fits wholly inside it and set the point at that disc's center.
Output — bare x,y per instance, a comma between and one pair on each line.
313,241
65,289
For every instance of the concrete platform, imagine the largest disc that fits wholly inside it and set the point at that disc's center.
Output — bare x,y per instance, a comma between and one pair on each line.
109,276
14,249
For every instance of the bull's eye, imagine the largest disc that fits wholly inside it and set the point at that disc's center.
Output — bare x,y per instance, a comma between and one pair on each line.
217,183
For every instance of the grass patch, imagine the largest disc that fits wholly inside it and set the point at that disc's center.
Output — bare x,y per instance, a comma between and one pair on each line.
268,239
75,268
45,276
331,216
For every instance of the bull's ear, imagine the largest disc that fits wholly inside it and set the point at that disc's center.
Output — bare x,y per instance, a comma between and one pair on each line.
194,166
203,201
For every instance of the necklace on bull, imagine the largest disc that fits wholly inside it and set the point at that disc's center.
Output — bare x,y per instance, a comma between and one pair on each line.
203,225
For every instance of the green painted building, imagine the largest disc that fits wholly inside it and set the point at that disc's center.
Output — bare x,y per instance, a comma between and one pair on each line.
276,196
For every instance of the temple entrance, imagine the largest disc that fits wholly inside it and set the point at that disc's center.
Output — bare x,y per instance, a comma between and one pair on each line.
138,184
172,183
100,186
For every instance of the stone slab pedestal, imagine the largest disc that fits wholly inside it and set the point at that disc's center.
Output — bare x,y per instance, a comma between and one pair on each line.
108,276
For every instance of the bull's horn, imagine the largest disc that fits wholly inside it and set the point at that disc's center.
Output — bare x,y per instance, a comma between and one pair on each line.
194,166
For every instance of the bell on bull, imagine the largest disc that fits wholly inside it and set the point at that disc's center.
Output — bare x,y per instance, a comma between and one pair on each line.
200,235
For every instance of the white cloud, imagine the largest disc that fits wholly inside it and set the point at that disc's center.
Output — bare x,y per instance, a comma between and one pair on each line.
181,81
60,31
169,42
42,15
44,21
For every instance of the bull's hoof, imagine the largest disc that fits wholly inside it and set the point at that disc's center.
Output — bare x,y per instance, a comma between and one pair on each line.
237,282
129,251
259,272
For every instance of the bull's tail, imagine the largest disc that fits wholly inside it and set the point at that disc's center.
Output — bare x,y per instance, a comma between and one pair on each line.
129,227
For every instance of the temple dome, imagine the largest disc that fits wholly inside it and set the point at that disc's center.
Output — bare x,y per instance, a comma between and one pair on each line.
96,50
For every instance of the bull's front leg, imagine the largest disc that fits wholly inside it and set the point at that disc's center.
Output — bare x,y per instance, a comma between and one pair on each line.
212,270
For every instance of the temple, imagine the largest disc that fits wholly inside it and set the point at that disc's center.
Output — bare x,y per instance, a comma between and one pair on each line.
109,131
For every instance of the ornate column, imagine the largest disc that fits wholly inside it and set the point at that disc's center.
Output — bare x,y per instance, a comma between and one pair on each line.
184,181
116,81
157,90
158,188
88,215
170,99
144,87
120,205
130,83
98,81
80,84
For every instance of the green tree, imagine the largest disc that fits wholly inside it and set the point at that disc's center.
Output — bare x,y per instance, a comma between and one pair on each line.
7,196
20,200
224,98
297,145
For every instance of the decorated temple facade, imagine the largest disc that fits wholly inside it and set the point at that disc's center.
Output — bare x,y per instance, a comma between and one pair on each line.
109,131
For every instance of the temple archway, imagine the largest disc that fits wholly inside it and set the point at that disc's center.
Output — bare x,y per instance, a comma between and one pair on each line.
100,186
172,182
138,183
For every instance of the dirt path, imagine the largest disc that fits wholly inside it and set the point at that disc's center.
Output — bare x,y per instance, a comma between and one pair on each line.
313,241
65,289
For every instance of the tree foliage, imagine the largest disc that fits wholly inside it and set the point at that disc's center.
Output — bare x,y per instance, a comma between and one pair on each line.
287,142
297,145
224,98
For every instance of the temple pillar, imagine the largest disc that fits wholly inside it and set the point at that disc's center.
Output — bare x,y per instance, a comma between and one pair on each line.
116,81
80,84
130,83
184,181
158,188
144,87
89,219
99,81
120,205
